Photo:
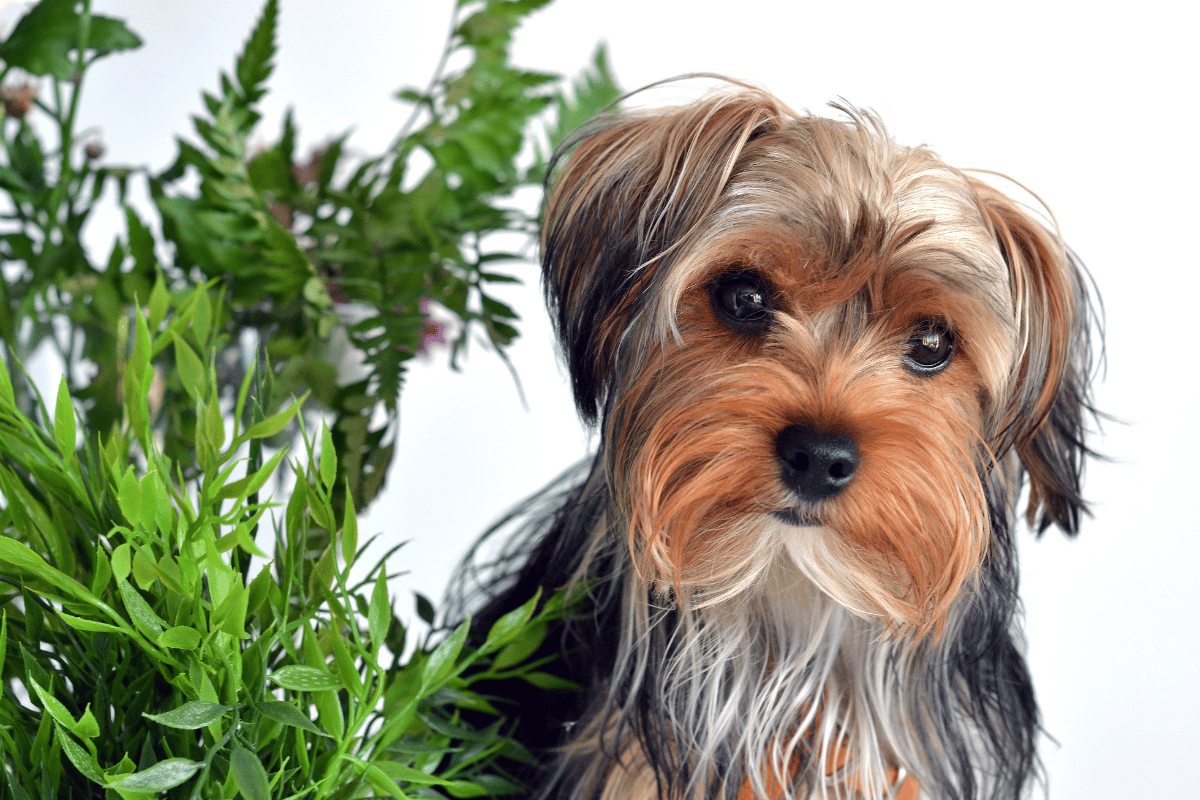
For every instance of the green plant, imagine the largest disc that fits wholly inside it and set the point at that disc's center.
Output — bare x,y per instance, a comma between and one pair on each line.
308,253
172,667
182,611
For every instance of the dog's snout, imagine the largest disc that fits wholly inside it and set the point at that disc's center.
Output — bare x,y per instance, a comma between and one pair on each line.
816,464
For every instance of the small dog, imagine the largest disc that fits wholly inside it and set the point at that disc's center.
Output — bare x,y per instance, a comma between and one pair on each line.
822,366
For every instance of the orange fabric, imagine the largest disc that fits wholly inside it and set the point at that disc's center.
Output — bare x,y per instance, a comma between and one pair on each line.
908,789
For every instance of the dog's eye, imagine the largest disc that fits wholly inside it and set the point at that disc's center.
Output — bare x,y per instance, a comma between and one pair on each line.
742,301
930,348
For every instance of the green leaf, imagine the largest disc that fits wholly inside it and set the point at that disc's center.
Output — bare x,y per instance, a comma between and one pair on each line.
230,615
46,729
53,706
141,244
328,458
34,671
521,647
191,715
6,387
484,785
288,714
249,775
140,611
254,64
377,778
425,609
29,517
304,679
258,590
441,660
379,612
144,567
346,667
321,511
166,774
81,624
244,487
35,617
64,420
468,789
87,727
122,556
202,318
214,424
20,556
349,531
103,570
402,772
512,622
137,380
149,490
274,423
129,497
180,637
159,303
43,40
544,680
83,761
110,35
330,714
190,368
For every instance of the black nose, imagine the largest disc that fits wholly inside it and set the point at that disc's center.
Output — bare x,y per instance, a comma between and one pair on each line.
816,464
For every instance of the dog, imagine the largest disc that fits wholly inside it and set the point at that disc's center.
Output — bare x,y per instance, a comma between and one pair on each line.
826,371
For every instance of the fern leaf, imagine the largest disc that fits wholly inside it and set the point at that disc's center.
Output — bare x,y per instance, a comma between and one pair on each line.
254,65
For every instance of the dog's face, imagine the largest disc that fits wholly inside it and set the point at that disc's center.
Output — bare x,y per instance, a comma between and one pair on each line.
800,337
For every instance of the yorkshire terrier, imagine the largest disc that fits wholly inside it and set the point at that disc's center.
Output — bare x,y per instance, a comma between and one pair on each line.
823,366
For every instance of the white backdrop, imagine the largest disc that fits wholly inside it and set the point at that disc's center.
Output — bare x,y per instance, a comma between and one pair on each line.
1092,107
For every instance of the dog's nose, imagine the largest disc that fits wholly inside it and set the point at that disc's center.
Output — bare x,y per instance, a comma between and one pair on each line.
816,464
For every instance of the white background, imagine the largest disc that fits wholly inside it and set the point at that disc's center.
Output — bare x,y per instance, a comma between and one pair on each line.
1092,105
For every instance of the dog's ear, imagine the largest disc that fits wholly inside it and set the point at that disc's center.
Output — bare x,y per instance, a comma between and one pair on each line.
633,187
1050,401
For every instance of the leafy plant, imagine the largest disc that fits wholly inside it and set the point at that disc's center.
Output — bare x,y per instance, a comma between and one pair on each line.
312,255
172,667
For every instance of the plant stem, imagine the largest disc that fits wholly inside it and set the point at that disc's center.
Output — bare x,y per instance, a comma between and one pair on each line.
66,126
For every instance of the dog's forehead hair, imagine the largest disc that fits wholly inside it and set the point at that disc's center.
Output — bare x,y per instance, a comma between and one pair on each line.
833,211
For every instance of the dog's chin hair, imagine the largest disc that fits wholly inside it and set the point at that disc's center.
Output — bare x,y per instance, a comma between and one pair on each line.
819,552
779,685
724,581
807,551
814,549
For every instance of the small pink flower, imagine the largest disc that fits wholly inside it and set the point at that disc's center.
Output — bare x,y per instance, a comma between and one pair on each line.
434,332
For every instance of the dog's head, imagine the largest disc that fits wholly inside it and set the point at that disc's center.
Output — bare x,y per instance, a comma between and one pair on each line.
799,336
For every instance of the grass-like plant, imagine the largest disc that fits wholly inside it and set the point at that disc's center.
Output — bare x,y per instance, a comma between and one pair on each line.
146,651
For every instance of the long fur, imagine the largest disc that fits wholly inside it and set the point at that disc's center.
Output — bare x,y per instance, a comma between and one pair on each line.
739,641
